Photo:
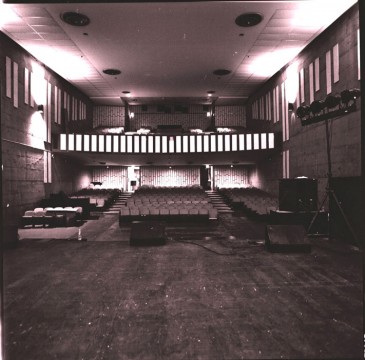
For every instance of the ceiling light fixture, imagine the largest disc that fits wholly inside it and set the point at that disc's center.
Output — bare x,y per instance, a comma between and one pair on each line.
112,71
221,72
248,19
75,18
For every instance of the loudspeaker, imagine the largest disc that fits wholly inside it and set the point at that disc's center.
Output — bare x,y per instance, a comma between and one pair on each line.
144,233
286,238
298,195
320,226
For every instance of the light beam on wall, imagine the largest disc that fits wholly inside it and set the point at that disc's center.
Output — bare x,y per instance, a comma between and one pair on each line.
269,63
292,83
38,131
38,84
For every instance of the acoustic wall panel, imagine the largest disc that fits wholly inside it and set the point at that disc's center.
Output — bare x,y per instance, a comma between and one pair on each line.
86,142
115,143
79,142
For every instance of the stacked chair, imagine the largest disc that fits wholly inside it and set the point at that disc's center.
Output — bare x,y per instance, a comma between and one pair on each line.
51,217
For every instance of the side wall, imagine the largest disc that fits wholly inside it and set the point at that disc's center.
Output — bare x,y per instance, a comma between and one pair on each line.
304,147
30,170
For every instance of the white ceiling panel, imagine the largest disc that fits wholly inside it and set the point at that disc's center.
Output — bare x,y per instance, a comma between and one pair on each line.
167,49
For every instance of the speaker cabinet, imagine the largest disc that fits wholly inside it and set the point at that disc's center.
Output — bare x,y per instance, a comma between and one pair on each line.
145,233
298,195
286,238
348,191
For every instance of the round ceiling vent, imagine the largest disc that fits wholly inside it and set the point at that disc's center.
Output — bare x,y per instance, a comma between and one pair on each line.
112,71
248,19
221,72
75,19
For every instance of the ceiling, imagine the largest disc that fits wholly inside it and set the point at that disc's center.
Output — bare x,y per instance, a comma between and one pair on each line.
167,51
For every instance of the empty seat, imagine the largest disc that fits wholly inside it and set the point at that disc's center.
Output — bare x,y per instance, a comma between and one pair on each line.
124,211
184,211
193,211
134,212
174,211
144,211
203,211
154,211
213,213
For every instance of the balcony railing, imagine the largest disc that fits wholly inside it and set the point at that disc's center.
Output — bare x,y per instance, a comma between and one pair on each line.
166,144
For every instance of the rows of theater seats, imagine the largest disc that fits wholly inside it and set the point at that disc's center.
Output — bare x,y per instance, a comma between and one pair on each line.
99,199
253,200
168,203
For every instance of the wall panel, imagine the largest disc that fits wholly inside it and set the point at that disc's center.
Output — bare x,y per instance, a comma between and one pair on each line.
113,177
170,176
236,176
109,116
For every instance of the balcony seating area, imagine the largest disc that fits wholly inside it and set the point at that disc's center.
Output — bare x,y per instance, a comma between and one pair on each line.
168,203
254,201
51,217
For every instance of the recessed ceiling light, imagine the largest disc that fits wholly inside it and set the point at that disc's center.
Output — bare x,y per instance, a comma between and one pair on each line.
75,18
111,71
221,72
127,93
248,19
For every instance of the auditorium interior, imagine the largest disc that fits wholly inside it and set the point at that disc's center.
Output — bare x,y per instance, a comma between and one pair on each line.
182,180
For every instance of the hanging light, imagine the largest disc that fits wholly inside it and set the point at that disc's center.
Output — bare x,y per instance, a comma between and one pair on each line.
317,106
303,111
349,95
332,101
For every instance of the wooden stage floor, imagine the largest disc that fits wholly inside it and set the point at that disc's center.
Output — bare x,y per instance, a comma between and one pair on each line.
211,293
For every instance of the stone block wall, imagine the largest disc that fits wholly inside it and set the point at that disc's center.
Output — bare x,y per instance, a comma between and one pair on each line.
24,131
307,144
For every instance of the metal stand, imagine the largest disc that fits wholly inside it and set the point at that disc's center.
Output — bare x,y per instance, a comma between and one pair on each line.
330,194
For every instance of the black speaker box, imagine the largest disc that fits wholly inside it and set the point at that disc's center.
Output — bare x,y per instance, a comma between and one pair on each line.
319,226
298,194
286,238
144,233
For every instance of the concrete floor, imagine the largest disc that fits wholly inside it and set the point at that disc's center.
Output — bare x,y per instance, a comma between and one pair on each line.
212,292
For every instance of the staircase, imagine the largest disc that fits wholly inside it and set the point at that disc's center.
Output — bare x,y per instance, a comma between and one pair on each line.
218,202
118,203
